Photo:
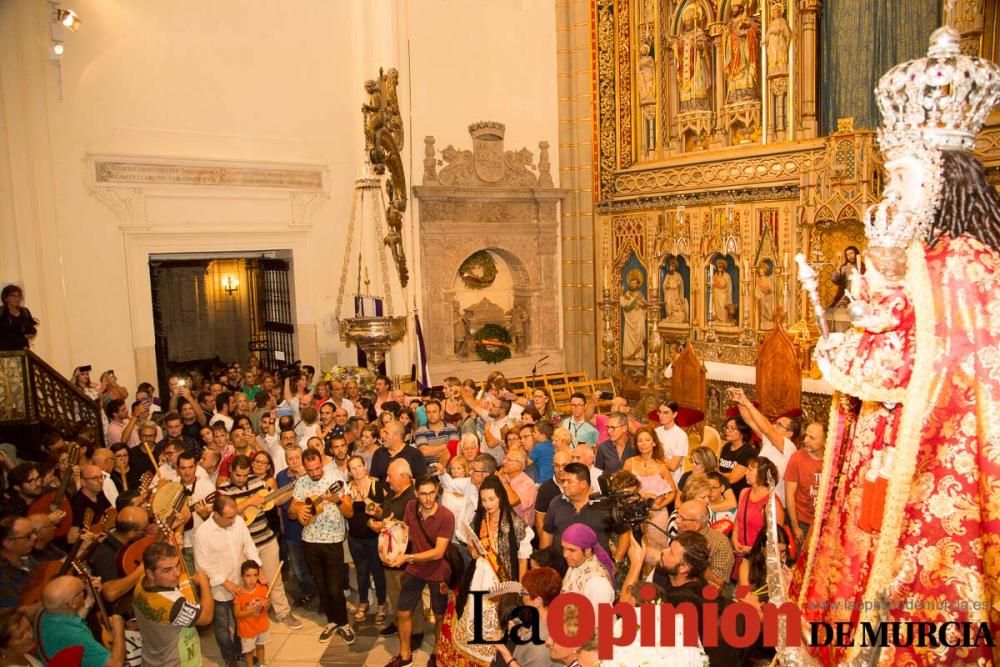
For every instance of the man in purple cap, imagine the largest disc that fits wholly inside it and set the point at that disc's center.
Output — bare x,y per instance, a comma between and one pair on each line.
590,572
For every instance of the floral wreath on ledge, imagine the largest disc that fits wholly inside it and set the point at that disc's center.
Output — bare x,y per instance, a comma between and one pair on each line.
493,343
479,270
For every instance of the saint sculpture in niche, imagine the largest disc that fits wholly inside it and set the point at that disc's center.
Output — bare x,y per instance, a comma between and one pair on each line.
691,55
675,303
723,308
741,50
765,295
633,303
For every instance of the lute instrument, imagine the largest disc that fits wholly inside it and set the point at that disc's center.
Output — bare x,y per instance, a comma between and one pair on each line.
56,500
48,570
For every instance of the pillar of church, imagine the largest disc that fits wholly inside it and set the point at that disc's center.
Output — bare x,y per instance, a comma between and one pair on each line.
30,243
576,172
809,12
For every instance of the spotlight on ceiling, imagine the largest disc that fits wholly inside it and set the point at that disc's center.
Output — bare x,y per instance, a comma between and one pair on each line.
56,51
69,18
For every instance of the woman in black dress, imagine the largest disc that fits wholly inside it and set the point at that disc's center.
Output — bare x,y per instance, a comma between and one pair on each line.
17,326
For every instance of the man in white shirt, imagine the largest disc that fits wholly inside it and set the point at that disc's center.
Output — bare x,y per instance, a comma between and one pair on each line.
338,399
221,545
776,437
673,438
199,493
105,460
585,454
168,468
270,442
223,408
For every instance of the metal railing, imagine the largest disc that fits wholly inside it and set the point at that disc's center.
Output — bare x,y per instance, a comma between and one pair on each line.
32,392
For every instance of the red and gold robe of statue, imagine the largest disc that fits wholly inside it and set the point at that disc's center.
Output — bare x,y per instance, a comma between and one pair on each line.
936,555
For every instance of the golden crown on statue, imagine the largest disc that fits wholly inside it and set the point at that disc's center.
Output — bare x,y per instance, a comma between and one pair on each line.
943,99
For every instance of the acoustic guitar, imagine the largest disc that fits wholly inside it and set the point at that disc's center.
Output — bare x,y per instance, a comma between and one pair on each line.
251,512
207,500
56,500
314,504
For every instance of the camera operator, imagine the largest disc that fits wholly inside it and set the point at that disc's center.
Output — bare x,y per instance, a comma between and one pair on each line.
576,506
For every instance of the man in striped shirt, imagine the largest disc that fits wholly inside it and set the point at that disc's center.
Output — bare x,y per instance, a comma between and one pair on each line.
432,440
243,488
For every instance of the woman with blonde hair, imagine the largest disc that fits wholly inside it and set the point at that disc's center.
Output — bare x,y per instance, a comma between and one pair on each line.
696,488
702,461
562,440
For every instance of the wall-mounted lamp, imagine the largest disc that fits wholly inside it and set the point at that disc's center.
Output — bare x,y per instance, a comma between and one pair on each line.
68,18
231,284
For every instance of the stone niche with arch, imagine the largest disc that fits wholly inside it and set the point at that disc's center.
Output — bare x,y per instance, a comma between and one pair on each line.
489,240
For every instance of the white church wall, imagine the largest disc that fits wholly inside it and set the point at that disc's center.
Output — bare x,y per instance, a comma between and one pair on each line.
234,83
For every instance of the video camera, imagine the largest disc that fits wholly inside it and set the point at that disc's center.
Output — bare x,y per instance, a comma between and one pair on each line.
290,370
627,506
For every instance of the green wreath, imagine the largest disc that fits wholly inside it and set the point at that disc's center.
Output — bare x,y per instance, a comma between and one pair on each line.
479,270
493,343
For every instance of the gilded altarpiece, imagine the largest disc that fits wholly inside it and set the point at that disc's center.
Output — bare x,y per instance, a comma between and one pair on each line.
710,176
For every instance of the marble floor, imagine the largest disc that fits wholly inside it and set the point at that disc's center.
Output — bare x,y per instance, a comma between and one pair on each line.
297,648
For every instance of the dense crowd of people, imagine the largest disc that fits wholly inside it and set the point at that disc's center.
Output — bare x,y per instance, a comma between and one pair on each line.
457,508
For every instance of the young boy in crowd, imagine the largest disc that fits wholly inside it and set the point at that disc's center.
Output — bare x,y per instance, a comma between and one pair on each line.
252,622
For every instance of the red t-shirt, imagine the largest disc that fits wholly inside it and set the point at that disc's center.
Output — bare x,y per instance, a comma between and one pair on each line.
439,524
804,470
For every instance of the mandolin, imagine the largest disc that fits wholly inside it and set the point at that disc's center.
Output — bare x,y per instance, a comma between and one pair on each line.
252,512
185,585
48,570
314,504
103,620
145,482
102,525
56,500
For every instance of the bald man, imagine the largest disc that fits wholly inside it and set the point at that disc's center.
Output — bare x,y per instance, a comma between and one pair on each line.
105,460
586,454
89,497
694,515
396,448
66,602
130,525
551,488
399,477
